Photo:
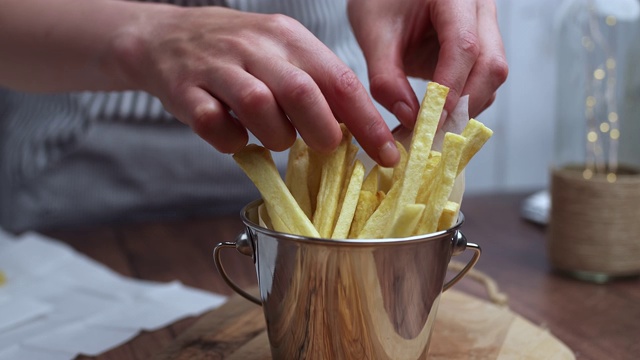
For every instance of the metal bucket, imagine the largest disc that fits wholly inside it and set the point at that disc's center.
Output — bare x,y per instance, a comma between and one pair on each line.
348,299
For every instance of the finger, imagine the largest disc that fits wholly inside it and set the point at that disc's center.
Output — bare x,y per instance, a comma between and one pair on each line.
457,28
255,106
352,105
302,101
486,105
209,118
387,79
491,69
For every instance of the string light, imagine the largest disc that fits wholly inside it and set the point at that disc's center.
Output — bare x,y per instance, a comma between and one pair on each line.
587,174
598,40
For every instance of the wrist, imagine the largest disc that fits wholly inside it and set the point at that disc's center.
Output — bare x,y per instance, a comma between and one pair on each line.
128,57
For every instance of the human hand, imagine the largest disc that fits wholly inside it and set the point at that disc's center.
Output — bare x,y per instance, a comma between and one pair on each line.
453,42
269,70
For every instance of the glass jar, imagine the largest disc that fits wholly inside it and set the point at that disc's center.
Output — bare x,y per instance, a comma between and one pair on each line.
598,86
594,225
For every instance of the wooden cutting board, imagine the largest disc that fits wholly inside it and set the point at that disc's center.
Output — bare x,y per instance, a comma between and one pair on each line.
466,328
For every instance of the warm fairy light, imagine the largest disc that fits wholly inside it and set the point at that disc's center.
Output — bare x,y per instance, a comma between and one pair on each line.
615,134
599,74
612,177
587,43
602,128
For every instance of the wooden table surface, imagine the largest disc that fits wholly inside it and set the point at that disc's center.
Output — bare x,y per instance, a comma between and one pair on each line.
595,321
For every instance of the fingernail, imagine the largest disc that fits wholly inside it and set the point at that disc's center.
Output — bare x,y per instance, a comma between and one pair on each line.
389,154
403,112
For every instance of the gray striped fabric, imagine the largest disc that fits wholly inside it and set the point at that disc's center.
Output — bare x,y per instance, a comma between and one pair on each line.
84,158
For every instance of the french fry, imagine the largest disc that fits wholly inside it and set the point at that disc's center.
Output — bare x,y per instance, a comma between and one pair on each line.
385,178
330,185
449,215
352,151
477,135
446,175
367,204
375,226
371,181
329,196
316,162
421,141
297,174
257,163
263,217
405,224
350,202
277,223
428,178
398,170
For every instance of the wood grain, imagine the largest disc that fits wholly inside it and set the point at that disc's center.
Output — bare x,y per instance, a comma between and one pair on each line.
596,321
466,328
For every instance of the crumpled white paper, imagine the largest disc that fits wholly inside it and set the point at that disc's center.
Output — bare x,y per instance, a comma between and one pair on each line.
58,303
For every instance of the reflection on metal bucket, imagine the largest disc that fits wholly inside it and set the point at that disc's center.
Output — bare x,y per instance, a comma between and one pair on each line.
348,299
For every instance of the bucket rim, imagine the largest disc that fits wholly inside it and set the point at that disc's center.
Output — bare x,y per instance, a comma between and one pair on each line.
250,224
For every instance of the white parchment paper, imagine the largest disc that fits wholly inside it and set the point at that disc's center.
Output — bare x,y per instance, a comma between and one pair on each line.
58,303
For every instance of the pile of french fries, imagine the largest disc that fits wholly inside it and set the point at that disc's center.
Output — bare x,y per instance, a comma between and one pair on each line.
333,196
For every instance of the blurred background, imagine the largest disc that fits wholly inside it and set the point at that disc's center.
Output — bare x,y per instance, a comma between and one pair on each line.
518,156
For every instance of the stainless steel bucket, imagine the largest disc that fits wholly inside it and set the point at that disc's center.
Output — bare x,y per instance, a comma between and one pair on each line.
348,299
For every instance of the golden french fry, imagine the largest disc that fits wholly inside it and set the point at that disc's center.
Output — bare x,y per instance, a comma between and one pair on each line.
330,185
352,151
350,202
446,175
421,141
477,135
428,178
398,171
257,163
316,162
405,224
263,217
385,178
330,197
371,181
367,204
297,174
375,227
458,188
276,221
449,216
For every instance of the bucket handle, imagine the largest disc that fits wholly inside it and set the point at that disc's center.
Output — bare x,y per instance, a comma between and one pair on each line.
460,244
243,245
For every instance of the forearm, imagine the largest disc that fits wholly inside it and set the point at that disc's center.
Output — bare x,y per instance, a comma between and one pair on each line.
65,45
